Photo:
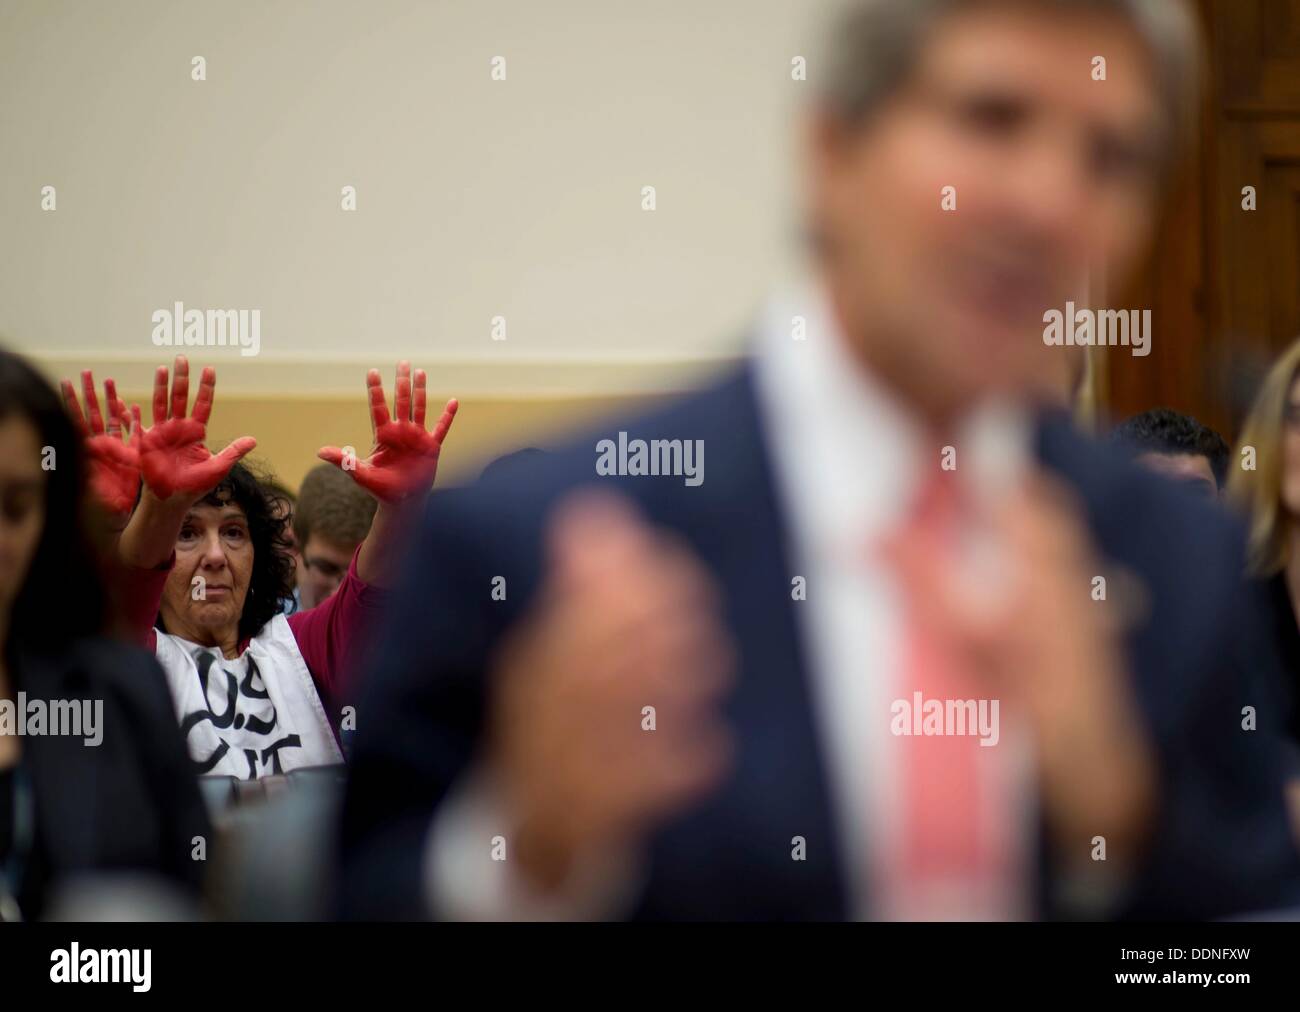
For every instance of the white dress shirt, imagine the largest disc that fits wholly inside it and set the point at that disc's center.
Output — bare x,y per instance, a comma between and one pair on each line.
848,458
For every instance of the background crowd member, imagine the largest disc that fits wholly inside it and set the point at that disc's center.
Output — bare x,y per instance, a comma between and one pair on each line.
205,566
285,503
1265,482
887,519
128,804
331,521
1177,446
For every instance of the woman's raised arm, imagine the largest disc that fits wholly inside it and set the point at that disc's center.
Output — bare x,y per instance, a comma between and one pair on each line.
399,471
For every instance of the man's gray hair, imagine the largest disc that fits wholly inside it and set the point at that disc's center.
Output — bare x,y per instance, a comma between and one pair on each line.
873,45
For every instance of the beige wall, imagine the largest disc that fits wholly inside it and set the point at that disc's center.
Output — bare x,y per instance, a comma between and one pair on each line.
475,198
289,433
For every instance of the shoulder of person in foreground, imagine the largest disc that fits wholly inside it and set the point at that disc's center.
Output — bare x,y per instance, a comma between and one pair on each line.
123,675
1206,677
128,672
700,470
475,571
1173,562
140,753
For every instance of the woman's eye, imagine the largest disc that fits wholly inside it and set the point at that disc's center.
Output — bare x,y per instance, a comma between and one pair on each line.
235,533
186,534
18,506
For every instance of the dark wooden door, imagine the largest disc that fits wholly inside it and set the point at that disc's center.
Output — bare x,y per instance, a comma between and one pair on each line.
1223,282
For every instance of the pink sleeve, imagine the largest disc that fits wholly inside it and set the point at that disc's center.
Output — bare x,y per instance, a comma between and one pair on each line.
142,590
328,634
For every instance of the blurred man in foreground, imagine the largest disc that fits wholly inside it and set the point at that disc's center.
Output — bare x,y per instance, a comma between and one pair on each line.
864,663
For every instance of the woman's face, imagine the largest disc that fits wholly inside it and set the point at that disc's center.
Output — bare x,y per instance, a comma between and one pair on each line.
1291,451
204,595
22,504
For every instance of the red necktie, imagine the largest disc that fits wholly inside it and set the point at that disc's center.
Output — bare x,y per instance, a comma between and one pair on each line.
955,857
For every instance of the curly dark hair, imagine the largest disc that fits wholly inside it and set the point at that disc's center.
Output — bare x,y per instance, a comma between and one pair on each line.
1162,430
273,563
63,587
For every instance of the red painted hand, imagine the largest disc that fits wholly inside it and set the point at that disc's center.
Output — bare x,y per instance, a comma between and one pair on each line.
173,458
113,462
405,457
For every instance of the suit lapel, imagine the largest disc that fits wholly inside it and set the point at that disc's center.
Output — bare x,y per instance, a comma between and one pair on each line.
771,827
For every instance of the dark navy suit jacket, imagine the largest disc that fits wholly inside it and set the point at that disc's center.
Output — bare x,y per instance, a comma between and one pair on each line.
129,804
1221,842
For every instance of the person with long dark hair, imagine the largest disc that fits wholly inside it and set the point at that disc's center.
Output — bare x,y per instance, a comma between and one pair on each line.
113,794
206,565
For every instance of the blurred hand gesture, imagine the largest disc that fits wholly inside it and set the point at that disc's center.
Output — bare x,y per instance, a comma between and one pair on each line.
404,459
627,619
1032,631
112,452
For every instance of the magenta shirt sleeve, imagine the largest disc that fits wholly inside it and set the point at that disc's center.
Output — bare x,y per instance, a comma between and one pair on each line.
142,590
328,634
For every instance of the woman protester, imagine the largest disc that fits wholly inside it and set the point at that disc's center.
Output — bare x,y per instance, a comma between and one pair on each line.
205,564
